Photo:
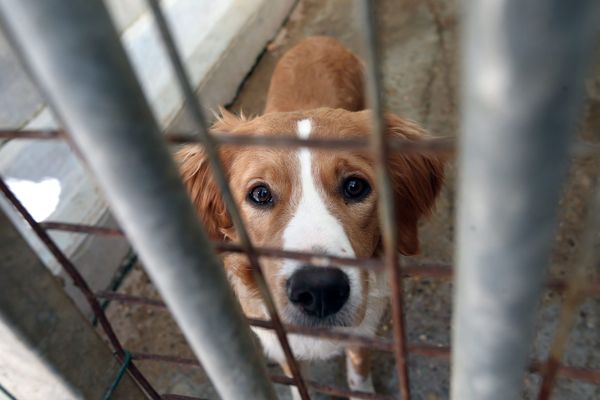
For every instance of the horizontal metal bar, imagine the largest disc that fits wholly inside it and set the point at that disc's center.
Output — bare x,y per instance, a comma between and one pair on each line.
437,145
580,148
330,333
432,270
227,247
564,371
332,390
284,380
76,56
170,396
441,352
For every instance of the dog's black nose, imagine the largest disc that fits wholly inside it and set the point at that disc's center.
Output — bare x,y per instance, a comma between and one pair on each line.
319,292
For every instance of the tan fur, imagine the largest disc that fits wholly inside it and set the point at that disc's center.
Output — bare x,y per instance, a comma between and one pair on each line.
318,72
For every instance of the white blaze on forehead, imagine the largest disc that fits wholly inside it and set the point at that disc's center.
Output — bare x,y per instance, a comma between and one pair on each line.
304,128
312,224
313,227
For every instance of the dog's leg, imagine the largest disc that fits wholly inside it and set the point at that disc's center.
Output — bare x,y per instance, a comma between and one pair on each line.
358,369
286,369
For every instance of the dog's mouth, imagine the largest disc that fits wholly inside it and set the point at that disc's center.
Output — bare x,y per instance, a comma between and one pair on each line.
343,318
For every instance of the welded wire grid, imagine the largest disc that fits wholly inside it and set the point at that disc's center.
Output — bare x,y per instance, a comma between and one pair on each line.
575,289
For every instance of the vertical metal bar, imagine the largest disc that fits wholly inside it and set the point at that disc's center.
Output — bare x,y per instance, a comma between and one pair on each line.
374,87
80,283
523,69
47,349
74,51
210,147
574,295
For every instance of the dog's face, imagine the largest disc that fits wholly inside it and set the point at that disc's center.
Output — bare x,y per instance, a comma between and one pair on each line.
311,200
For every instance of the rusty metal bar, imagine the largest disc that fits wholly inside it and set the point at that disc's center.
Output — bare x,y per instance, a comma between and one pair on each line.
575,293
228,247
80,283
284,380
330,333
397,145
210,147
48,350
332,390
564,371
170,396
416,270
521,98
375,94
442,352
438,145
75,54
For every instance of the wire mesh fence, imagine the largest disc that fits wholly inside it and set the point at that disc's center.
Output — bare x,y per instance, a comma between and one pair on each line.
573,289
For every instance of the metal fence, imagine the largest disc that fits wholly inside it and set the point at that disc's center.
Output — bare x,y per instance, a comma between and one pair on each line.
517,122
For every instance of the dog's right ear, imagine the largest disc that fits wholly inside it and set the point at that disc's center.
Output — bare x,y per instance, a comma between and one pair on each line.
199,181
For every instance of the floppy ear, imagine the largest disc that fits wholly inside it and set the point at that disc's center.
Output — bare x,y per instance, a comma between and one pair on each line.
199,180
417,179
203,190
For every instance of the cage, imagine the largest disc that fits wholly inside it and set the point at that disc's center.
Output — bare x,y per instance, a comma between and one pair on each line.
513,150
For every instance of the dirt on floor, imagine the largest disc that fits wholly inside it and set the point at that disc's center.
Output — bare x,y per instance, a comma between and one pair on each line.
420,46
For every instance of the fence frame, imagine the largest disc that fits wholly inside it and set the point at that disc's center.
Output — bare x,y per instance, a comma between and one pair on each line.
45,23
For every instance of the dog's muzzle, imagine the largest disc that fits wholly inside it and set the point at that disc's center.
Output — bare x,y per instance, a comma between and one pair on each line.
318,292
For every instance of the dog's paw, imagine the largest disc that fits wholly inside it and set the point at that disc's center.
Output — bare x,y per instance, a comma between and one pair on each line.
357,381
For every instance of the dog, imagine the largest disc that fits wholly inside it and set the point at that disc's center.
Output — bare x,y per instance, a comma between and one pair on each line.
314,200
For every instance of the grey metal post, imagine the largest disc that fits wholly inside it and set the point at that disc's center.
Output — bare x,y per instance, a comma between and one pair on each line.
47,349
524,66
74,52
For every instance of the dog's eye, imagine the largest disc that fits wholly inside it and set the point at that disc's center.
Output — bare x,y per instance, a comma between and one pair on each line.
355,189
261,196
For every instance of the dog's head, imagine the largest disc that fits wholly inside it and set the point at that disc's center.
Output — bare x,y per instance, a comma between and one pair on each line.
311,200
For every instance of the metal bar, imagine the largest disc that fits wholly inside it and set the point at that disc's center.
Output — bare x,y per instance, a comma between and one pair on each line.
438,145
520,102
565,371
378,343
74,51
575,293
81,228
417,270
396,145
170,396
284,380
332,390
441,352
49,351
80,283
210,147
387,214
228,247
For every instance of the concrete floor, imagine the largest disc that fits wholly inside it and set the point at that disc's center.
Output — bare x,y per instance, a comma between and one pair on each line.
421,81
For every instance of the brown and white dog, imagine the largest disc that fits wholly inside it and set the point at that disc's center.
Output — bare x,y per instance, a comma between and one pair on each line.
314,200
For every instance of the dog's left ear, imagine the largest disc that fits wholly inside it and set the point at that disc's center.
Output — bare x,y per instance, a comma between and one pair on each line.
417,179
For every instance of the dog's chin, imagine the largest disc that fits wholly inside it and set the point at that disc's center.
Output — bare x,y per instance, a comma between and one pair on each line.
343,318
